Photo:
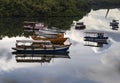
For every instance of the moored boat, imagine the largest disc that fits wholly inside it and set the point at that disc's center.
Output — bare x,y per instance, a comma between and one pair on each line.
39,47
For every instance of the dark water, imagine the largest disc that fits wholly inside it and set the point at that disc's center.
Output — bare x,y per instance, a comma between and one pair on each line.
83,65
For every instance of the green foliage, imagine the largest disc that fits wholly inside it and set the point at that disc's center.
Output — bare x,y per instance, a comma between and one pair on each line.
13,27
28,8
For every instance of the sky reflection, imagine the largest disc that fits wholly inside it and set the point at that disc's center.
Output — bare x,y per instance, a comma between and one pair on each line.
87,64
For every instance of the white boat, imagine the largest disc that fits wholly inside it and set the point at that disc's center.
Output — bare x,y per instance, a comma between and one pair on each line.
39,46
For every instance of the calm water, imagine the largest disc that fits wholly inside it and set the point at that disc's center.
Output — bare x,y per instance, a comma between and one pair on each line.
85,65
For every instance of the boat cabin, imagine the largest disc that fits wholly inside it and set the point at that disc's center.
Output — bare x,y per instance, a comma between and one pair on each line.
34,43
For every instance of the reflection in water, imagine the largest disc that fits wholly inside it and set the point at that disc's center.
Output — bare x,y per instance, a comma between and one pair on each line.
97,37
87,64
13,27
41,58
114,24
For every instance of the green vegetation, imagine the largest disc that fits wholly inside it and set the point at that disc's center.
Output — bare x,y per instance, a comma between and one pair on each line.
13,27
19,8
37,8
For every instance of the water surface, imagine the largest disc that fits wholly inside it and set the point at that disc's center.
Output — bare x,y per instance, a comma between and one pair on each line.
85,65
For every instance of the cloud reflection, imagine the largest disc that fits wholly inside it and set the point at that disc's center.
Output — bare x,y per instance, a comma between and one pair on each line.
109,70
87,65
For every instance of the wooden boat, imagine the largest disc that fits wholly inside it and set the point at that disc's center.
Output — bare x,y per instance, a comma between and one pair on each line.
96,37
57,40
40,46
53,40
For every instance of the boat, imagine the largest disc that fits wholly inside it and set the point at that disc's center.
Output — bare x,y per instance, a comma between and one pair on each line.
80,26
96,37
39,46
54,40
33,25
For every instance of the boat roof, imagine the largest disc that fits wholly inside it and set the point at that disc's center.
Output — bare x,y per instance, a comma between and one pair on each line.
94,32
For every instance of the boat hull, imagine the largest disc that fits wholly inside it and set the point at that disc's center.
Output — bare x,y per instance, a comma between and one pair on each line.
44,51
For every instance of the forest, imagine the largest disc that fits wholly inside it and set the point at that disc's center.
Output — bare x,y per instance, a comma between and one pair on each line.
37,8
20,8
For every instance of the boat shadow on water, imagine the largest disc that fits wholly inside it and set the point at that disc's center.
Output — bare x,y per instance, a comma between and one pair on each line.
40,58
